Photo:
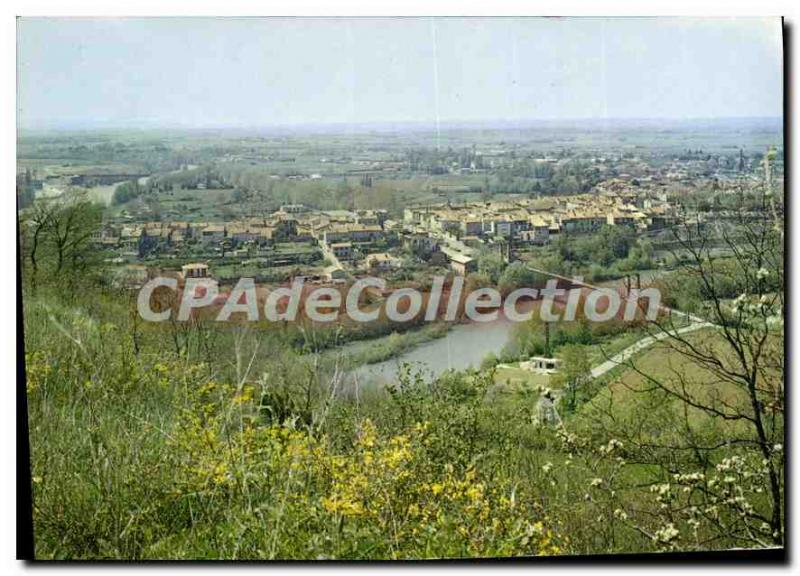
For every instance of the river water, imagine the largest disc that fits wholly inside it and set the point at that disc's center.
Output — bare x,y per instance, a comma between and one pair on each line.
464,346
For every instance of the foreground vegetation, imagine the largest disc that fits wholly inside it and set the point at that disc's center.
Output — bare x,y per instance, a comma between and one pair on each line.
201,440
158,454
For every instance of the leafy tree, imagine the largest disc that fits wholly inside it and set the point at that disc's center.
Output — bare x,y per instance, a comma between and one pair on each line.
57,237
575,370
517,275
727,375
491,265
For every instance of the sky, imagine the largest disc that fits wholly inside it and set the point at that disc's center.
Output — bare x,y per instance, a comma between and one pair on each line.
254,72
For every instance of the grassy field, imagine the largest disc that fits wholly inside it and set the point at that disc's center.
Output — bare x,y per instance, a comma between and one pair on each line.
629,401
189,205
512,376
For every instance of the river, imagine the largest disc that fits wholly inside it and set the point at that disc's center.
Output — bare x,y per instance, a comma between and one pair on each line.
464,346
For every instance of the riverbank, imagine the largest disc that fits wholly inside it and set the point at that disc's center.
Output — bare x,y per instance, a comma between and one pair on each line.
381,349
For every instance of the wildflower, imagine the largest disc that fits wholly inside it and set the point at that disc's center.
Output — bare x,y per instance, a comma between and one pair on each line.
689,478
762,273
739,302
547,467
667,534
342,506
620,514
220,473
475,493
596,482
774,321
661,489
368,433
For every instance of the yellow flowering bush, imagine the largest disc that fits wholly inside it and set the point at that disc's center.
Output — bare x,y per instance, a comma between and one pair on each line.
385,490
37,369
390,486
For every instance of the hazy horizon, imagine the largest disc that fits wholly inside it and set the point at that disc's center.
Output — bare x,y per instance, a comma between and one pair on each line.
361,73
500,125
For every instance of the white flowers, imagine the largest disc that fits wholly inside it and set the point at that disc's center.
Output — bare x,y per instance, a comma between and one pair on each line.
739,302
775,320
547,467
666,534
732,463
660,489
620,514
596,482
689,478
612,445
762,273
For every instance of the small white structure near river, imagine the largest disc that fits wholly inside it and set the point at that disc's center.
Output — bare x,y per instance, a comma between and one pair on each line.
541,365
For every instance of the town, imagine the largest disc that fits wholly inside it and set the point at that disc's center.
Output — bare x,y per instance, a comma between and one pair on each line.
447,225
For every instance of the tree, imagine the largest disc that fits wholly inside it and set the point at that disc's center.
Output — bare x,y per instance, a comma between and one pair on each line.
714,419
57,236
575,370
126,191
610,244
491,265
517,275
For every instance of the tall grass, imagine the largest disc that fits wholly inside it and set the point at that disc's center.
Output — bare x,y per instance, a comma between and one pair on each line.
238,445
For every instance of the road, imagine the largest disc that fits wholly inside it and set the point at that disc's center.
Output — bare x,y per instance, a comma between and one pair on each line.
633,349
695,323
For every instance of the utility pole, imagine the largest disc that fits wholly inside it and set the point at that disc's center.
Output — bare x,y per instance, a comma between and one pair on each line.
547,339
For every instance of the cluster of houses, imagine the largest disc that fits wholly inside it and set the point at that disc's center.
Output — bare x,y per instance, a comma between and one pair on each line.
458,230
442,234
536,221
146,237
335,230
